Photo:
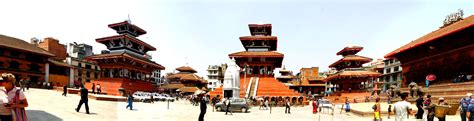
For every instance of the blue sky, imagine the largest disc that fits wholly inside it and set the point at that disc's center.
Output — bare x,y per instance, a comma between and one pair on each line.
202,33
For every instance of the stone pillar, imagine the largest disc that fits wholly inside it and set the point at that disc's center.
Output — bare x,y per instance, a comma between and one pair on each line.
71,77
46,72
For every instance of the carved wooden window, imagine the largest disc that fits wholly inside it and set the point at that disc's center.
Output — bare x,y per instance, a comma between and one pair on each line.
14,65
34,67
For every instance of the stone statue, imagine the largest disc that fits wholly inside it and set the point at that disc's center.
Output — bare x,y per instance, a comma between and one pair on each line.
394,91
412,86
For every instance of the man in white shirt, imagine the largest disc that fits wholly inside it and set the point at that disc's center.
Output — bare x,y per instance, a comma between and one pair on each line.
402,108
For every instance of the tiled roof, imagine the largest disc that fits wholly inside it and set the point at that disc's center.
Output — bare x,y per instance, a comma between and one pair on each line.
187,89
450,29
186,69
126,22
130,56
353,48
258,38
352,58
354,73
260,25
172,86
256,54
103,40
57,63
19,44
186,77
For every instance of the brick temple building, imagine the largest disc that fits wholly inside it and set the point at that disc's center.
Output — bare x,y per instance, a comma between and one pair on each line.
185,81
126,67
258,61
350,73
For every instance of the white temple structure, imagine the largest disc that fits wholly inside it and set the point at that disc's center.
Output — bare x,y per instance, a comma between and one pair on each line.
231,85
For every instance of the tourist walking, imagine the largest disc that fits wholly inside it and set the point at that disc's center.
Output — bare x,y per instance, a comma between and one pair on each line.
347,104
442,103
464,105
402,108
129,101
84,100
99,89
287,106
266,104
227,106
419,106
12,100
203,106
376,108
93,88
389,111
64,90
151,98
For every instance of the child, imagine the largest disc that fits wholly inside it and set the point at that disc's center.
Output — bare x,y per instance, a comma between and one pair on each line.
389,110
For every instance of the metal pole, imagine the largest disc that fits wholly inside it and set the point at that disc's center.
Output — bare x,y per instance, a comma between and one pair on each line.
245,80
168,104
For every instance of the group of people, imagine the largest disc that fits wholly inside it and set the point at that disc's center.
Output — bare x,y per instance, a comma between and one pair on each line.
98,87
467,107
13,100
424,106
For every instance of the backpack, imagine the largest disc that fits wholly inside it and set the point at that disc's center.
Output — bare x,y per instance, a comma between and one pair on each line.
374,107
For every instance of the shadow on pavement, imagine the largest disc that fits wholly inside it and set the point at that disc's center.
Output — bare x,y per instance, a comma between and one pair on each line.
39,115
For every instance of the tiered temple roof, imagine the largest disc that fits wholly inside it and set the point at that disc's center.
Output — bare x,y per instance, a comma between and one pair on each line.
126,65
185,80
350,67
442,32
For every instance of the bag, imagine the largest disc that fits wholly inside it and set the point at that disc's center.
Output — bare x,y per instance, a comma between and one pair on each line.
374,107
19,113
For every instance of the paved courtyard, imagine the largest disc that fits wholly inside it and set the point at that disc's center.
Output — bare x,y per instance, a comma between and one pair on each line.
49,105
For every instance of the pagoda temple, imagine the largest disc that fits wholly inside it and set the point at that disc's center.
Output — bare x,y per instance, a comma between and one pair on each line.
286,76
258,62
350,73
185,81
126,67
447,53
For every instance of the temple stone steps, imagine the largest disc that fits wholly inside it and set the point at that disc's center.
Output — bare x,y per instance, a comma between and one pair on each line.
111,85
451,92
269,86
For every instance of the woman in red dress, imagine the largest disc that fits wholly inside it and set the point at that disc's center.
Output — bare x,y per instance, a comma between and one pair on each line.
315,107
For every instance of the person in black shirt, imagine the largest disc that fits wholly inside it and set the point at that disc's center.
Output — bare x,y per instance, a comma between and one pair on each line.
287,106
84,99
64,90
419,105
203,107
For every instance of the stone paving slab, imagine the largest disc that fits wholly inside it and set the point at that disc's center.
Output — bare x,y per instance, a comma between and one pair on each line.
49,105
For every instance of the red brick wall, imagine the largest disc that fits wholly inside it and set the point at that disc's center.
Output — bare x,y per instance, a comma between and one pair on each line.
53,46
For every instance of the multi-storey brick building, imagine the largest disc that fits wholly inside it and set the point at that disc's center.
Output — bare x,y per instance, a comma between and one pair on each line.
24,60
